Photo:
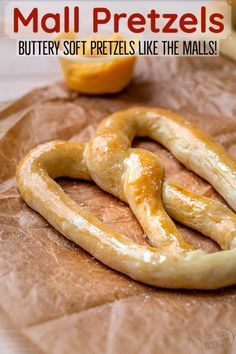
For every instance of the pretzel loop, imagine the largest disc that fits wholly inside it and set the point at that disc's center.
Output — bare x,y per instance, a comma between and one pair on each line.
136,176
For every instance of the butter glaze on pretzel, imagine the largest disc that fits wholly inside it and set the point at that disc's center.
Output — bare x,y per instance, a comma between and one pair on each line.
136,176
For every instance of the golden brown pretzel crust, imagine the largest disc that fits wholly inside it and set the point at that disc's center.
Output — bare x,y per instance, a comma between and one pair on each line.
136,176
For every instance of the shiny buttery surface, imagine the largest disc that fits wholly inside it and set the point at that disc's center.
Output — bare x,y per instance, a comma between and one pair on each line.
135,176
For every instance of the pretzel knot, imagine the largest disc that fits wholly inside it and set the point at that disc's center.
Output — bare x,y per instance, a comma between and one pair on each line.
136,176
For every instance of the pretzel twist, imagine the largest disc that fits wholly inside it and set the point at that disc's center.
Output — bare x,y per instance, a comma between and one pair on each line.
136,176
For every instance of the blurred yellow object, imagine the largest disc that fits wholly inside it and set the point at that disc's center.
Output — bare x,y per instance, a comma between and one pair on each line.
94,74
100,77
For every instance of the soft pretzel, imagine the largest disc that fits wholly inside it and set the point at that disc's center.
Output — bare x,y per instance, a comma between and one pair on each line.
136,176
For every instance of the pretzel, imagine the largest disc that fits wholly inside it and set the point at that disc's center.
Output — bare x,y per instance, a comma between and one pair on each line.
136,177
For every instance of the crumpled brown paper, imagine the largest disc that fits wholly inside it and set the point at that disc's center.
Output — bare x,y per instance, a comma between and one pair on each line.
60,297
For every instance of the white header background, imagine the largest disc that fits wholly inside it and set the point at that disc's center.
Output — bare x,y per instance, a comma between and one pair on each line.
130,6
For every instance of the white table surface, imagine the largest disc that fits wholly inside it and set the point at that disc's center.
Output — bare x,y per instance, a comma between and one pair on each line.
18,75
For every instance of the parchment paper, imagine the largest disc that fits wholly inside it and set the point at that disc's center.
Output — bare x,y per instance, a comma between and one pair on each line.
59,296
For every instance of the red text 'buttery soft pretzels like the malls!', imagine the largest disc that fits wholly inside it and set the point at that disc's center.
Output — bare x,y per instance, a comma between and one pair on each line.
137,177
